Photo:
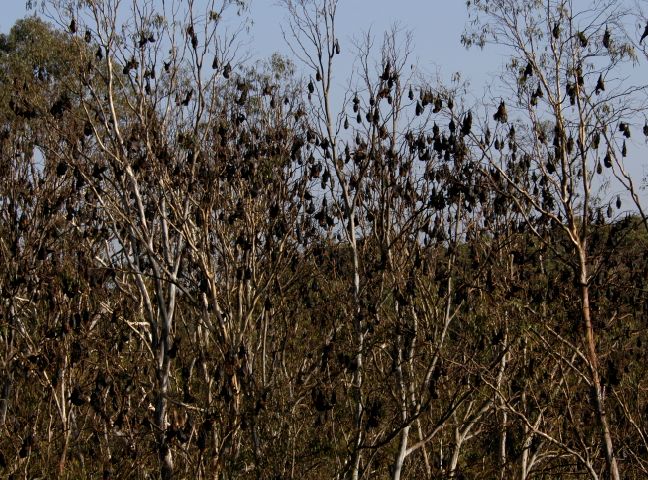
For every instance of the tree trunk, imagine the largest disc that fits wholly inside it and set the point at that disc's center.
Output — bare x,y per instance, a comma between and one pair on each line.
454,461
162,377
164,452
4,398
402,451
596,380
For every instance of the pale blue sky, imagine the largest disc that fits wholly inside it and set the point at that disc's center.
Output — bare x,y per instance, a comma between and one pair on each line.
435,25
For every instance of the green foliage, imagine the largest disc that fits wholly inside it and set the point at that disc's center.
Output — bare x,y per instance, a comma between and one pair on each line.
217,278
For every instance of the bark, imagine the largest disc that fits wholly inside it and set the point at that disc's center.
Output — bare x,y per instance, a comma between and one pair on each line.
599,401
164,451
402,452
4,400
163,368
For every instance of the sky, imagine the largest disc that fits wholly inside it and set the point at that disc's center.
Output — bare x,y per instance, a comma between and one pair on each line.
436,29
435,25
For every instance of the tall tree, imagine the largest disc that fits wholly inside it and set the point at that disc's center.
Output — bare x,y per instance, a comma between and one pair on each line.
565,99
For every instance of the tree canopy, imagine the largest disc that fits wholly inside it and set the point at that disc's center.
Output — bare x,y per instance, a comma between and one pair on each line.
212,271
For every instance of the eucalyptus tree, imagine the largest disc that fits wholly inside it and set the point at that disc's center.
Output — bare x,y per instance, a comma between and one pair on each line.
147,94
565,100
48,256
226,270
247,241
401,193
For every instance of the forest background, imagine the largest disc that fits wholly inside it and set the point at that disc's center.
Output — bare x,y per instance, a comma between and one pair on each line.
372,250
